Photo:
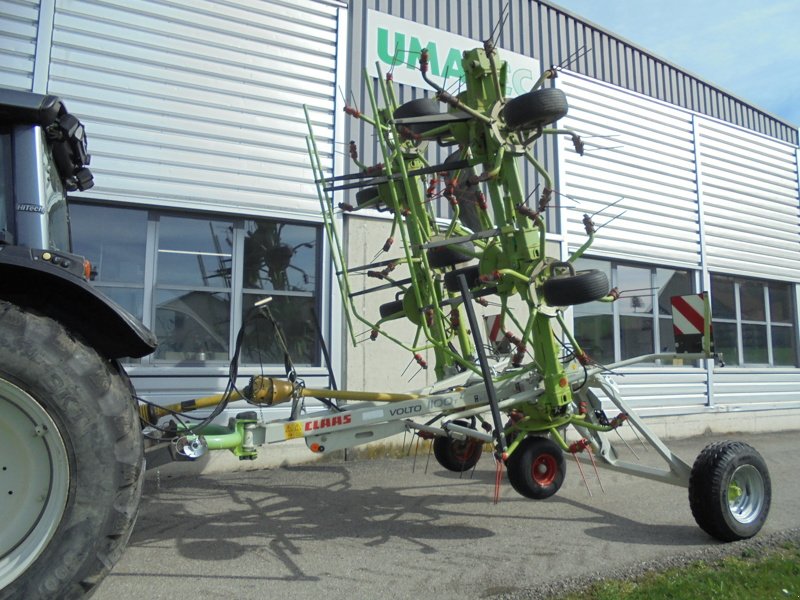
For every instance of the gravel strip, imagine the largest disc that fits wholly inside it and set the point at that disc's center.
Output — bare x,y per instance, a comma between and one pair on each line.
555,589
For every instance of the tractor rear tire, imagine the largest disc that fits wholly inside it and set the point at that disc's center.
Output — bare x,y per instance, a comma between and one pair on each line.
730,491
71,460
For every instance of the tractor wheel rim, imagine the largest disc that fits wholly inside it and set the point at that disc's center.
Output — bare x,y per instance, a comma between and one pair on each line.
544,469
746,494
34,480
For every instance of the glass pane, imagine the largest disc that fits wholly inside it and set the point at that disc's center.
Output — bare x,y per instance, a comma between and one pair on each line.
667,344
636,288
595,334
584,264
725,342
754,344
783,351
131,299
192,326
113,239
636,336
781,303
280,256
293,315
194,251
671,283
666,335
751,296
723,302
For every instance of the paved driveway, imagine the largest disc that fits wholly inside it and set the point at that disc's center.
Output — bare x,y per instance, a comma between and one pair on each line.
375,529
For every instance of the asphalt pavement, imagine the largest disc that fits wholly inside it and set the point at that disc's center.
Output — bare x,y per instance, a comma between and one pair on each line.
390,528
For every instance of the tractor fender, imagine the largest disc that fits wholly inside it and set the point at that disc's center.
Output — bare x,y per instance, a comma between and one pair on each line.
30,281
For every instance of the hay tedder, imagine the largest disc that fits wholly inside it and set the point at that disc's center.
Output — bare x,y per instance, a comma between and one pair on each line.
523,392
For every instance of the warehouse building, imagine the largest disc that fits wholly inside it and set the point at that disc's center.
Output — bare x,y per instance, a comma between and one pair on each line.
205,199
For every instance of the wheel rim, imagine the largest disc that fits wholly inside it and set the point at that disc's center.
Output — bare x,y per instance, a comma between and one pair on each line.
465,450
34,480
544,469
746,494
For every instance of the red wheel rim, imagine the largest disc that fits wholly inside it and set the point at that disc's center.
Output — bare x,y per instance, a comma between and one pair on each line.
464,451
544,469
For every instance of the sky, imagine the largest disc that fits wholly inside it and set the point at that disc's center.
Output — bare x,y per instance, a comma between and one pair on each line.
749,48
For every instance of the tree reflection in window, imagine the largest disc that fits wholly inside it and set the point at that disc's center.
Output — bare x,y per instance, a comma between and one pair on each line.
279,256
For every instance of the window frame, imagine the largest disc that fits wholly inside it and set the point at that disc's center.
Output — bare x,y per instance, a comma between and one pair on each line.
151,287
767,322
655,317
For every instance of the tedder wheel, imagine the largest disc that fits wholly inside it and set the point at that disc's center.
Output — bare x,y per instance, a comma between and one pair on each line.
471,273
449,256
368,197
457,455
730,491
535,109
391,309
71,461
421,107
584,286
536,468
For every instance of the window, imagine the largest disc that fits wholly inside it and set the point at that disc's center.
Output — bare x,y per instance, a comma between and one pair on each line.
640,322
194,279
753,321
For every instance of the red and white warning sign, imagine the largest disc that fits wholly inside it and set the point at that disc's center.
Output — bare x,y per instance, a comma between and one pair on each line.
689,321
495,334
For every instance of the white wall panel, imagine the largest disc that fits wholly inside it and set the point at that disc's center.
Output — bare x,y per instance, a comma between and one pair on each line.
754,388
194,103
18,28
750,201
639,155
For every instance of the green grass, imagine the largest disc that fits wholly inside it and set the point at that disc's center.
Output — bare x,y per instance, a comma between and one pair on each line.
775,575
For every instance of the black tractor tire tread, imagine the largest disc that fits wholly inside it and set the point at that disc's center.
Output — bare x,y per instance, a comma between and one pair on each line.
535,109
584,286
90,398
707,483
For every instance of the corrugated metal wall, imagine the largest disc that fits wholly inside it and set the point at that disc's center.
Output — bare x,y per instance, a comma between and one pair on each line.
639,163
621,63
18,27
558,37
198,104
750,202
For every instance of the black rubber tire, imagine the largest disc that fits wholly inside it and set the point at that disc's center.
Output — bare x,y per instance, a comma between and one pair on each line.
367,197
467,192
89,399
536,469
449,256
584,286
421,107
535,109
391,309
723,469
457,455
472,273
